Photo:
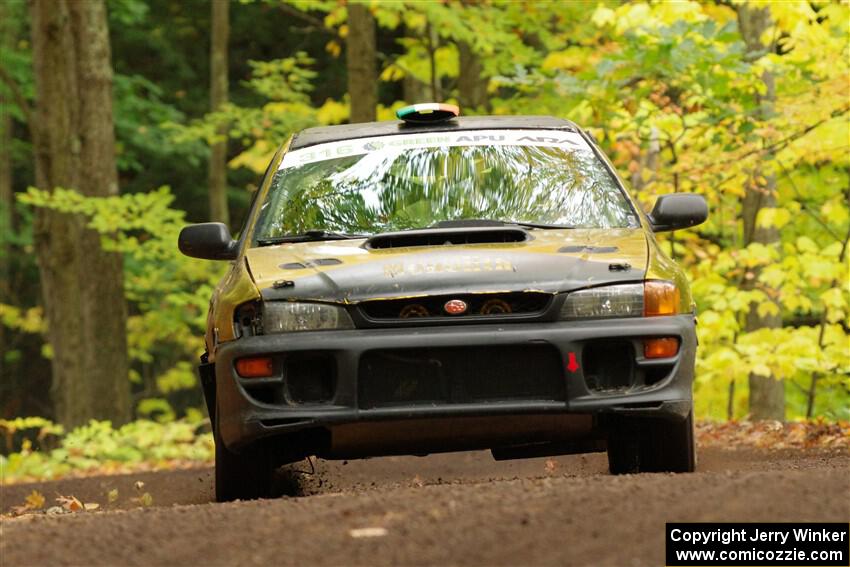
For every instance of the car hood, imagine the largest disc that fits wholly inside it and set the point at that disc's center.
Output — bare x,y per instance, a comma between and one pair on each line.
345,271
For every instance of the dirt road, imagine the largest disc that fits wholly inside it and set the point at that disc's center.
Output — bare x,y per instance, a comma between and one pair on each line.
458,509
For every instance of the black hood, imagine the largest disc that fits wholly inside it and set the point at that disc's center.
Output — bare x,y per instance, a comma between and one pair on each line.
349,272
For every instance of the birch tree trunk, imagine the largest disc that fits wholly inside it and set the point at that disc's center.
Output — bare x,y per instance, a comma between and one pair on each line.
74,148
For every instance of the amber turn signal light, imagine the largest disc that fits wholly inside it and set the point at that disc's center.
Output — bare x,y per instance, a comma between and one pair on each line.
660,298
255,367
666,347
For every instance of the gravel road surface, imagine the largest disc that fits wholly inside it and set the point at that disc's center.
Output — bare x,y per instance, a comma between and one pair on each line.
453,509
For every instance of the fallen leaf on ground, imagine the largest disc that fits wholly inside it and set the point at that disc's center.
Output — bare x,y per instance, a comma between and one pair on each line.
812,434
89,506
139,485
112,495
70,503
34,501
550,465
144,500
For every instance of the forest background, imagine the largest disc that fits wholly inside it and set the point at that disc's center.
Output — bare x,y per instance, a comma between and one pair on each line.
122,121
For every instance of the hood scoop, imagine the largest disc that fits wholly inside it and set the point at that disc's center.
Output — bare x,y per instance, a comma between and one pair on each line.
447,236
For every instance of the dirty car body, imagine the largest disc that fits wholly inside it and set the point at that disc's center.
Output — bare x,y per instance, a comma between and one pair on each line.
480,283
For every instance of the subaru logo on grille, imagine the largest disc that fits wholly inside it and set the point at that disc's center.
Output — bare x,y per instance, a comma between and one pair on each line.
455,307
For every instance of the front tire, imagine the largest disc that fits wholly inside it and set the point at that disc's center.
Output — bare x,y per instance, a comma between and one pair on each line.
638,444
242,476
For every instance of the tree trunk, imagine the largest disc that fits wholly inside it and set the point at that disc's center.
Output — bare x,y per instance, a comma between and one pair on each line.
74,147
218,96
413,89
8,38
767,394
471,83
432,43
6,201
360,60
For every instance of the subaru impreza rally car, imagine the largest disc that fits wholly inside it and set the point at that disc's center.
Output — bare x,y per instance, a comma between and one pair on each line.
444,283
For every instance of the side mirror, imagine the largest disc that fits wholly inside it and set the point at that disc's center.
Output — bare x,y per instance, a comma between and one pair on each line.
679,210
208,241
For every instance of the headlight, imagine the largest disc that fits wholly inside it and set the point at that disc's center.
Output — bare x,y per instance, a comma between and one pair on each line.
610,301
286,317
627,300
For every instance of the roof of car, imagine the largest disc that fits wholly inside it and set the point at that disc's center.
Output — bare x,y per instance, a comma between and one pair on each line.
324,134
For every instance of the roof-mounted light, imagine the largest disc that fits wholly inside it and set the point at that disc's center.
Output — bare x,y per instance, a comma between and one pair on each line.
427,113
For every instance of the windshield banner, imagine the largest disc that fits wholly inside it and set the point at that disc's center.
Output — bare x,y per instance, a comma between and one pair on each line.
398,143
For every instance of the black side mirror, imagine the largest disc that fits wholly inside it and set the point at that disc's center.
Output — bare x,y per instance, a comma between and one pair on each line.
679,210
208,241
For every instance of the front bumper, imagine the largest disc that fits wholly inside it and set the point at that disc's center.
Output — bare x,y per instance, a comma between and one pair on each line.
243,419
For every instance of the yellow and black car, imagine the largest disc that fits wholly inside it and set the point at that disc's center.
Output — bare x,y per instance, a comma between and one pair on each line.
442,283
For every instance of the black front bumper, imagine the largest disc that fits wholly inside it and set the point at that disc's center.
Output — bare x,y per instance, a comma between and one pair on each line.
244,419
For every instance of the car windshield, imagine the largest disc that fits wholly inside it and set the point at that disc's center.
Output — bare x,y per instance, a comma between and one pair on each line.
401,182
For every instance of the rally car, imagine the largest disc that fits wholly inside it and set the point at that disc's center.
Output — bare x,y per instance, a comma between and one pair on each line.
444,283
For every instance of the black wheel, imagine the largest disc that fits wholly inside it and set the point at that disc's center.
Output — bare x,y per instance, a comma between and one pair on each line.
242,476
651,445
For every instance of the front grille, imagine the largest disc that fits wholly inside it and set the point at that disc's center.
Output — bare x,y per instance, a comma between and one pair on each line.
435,376
479,305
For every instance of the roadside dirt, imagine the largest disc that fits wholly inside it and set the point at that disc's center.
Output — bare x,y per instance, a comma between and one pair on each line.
460,509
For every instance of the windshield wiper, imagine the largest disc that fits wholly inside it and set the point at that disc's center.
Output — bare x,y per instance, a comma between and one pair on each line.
308,236
538,225
470,223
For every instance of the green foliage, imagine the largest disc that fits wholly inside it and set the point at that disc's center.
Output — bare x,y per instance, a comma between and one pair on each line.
139,110
31,429
679,86
168,293
673,96
285,84
24,320
15,59
667,87
101,448
156,408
